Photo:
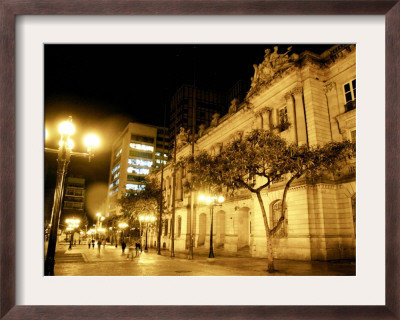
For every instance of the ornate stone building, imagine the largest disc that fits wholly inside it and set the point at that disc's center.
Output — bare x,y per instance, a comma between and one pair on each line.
309,99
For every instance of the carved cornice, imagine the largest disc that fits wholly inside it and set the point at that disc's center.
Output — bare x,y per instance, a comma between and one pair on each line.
297,90
263,111
288,96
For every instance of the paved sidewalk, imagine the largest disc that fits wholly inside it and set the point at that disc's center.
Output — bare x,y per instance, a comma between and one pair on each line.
82,261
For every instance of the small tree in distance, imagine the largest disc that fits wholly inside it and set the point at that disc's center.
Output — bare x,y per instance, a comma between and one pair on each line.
266,156
149,200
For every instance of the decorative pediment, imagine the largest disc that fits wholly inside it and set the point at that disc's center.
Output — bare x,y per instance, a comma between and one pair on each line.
274,64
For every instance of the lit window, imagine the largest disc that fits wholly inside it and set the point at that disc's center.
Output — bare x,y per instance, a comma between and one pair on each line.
158,154
138,170
131,186
113,191
112,185
115,176
115,169
118,153
140,162
143,147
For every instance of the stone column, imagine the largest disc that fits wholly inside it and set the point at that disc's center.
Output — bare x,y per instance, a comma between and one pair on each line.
274,120
333,108
267,118
260,120
264,118
300,116
291,115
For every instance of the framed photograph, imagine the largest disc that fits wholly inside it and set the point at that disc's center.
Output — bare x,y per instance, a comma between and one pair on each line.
353,39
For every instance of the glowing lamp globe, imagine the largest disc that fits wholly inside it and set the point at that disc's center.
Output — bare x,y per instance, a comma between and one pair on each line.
66,127
91,141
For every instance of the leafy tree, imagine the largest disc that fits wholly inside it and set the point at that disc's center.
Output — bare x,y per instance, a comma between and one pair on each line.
136,203
266,156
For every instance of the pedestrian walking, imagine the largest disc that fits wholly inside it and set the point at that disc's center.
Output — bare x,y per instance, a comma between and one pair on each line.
99,245
137,248
93,242
88,243
123,244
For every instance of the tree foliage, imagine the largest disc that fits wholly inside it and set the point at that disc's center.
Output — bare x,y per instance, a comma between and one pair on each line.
147,201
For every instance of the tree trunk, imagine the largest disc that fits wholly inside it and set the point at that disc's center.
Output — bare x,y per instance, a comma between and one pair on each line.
270,252
285,190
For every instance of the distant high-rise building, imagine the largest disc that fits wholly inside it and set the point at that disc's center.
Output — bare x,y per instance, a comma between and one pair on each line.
181,113
208,103
139,149
74,198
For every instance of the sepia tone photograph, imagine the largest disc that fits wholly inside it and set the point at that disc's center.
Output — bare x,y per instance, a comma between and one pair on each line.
200,160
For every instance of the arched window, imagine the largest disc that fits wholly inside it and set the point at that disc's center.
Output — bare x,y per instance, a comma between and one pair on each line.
275,210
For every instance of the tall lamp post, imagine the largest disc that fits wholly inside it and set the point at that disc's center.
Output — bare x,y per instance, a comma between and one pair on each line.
211,201
64,153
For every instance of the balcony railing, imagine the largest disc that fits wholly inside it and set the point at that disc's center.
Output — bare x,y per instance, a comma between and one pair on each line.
350,105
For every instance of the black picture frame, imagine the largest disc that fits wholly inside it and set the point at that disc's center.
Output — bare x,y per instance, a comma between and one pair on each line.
10,9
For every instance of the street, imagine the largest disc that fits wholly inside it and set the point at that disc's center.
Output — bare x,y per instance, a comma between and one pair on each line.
82,261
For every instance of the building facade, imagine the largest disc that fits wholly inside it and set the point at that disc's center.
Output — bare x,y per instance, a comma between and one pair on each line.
308,99
74,198
138,150
74,206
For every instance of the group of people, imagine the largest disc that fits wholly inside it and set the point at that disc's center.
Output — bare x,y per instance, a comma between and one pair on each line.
133,246
99,243
138,248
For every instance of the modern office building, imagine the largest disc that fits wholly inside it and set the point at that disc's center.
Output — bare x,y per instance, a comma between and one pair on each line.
74,197
74,204
208,105
139,149
181,113
316,95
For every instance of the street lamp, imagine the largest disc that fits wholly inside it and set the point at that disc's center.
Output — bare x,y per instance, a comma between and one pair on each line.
64,152
211,201
147,219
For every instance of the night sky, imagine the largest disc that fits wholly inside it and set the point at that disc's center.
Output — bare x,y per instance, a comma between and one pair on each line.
103,87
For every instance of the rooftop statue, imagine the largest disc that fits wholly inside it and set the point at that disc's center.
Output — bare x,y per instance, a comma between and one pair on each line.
202,129
234,106
273,63
181,138
215,120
